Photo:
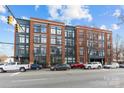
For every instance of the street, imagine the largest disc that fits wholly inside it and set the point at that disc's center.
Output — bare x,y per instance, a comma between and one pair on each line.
74,78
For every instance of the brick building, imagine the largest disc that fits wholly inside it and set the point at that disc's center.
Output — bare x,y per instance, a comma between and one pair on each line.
48,42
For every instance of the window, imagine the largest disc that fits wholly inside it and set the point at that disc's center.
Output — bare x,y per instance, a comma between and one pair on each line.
81,51
43,51
108,36
81,59
58,40
43,38
109,45
37,28
21,50
22,28
27,39
36,38
27,29
70,34
70,42
70,51
80,34
53,30
59,31
36,50
53,41
43,28
21,39
66,34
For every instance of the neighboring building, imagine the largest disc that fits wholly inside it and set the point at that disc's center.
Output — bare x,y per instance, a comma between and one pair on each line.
48,42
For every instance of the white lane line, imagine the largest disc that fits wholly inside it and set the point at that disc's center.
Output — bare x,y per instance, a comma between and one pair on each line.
27,80
14,74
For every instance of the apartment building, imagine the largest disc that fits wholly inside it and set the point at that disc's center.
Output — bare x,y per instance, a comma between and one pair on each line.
49,42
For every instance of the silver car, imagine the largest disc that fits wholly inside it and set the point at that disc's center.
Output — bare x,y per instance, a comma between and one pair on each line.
112,65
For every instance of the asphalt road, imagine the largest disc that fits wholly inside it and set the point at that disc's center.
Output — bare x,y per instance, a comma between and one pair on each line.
77,78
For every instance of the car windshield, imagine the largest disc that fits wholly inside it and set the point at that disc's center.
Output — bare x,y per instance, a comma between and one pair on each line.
89,63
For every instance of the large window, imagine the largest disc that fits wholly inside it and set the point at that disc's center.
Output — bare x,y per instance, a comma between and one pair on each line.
27,39
81,50
53,41
43,38
56,30
81,59
37,28
21,50
43,28
53,30
21,38
36,38
59,31
108,36
27,29
43,51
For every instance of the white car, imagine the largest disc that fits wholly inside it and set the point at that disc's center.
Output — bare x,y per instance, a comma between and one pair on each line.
93,65
12,66
112,65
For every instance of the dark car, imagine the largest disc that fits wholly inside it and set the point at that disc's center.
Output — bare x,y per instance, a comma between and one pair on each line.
60,67
121,65
36,66
77,65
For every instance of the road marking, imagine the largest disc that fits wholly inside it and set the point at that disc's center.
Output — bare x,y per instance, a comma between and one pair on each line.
27,80
14,74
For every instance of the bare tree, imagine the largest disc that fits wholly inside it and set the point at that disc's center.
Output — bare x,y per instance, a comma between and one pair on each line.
118,47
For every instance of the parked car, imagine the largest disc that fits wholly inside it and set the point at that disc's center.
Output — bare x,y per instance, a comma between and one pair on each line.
121,65
93,65
77,65
36,66
12,66
60,67
112,65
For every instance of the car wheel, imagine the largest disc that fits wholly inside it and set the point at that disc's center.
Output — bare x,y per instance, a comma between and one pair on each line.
1,70
89,67
37,68
99,67
22,69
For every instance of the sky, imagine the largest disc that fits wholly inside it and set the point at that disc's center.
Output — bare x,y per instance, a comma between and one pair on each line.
100,16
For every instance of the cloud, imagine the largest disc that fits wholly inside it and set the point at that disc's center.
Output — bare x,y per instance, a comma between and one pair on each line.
117,13
67,13
24,17
36,7
115,27
3,19
2,9
103,27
